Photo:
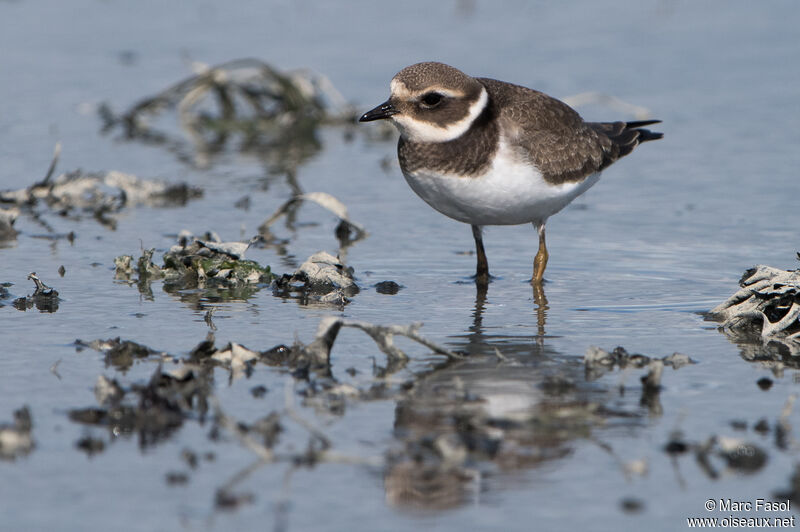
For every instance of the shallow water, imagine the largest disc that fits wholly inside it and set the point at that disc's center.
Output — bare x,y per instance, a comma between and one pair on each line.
663,237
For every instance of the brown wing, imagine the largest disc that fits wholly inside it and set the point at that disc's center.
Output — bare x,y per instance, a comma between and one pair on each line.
555,138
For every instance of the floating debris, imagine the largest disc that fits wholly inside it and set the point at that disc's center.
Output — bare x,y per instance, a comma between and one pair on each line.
761,426
599,361
107,391
207,264
382,335
322,278
316,355
90,445
676,445
236,357
195,263
15,439
271,112
652,381
389,288
258,391
455,423
741,455
154,411
44,298
347,231
54,369
119,354
227,500
176,478
97,194
234,250
631,505
765,383
145,268
717,452
738,424
766,309
190,457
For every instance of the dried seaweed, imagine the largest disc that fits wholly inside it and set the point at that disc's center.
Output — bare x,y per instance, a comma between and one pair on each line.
99,195
152,412
207,264
347,231
599,361
346,224
454,423
718,454
118,353
764,314
271,113
44,298
322,279
181,388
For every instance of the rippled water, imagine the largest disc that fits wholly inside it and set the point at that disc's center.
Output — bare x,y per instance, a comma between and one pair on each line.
662,238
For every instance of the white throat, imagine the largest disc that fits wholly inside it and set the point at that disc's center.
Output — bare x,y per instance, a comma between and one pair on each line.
419,131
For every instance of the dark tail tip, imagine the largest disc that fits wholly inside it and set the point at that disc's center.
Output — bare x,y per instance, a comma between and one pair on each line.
646,134
641,123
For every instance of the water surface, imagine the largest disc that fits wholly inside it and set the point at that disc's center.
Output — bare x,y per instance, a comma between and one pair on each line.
664,236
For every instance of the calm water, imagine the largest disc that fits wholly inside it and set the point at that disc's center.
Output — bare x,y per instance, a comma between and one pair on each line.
664,236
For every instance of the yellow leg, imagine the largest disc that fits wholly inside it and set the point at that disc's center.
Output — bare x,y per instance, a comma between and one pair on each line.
540,262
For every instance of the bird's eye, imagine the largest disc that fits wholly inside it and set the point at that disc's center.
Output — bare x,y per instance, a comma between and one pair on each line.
431,99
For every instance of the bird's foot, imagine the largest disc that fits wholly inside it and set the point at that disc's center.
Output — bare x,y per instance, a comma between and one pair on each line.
483,278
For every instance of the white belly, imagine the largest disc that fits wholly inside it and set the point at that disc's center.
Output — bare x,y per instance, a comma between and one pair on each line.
509,193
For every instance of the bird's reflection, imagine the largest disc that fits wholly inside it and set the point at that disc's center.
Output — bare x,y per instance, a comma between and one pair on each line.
514,403
540,300
478,343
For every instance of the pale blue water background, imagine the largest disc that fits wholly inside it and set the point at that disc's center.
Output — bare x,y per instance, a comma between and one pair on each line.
664,235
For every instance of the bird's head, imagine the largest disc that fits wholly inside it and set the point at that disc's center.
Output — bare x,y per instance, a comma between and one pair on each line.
431,102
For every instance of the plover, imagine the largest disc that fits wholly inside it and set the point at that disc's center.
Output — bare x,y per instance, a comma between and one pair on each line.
488,152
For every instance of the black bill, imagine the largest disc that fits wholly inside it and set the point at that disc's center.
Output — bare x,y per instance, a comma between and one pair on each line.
384,110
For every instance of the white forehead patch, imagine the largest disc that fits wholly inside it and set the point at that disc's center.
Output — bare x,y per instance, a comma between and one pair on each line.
421,131
400,91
